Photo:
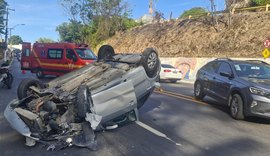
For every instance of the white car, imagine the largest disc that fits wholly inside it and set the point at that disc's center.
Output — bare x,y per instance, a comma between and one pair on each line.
168,72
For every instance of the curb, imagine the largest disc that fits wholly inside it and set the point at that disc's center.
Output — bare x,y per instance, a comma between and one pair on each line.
187,81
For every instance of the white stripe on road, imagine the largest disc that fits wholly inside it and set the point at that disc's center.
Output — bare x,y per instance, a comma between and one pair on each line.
158,133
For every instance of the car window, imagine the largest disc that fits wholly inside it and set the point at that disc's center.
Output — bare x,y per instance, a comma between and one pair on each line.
225,67
167,66
86,54
252,70
70,54
211,66
55,53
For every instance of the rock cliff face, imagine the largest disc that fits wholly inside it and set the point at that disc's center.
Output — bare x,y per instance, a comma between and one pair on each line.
198,38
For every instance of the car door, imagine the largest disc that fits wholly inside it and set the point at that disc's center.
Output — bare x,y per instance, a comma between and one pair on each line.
207,76
115,101
70,59
223,83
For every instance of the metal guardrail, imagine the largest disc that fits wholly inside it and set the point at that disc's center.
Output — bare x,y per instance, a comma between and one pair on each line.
232,11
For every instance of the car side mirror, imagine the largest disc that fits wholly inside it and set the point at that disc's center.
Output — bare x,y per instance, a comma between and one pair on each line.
226,74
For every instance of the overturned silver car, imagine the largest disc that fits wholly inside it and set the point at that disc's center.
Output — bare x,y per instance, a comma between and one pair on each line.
99,96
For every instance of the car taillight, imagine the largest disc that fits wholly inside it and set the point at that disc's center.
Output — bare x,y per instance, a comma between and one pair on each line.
167,71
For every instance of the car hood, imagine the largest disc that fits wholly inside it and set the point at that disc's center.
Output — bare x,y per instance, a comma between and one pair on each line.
262,83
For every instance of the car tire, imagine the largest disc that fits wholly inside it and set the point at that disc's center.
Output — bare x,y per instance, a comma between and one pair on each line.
150,62
23,88
39,73
198,91
105,52
83,102
8,80
237,107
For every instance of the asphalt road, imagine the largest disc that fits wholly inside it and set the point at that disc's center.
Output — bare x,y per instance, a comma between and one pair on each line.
171,123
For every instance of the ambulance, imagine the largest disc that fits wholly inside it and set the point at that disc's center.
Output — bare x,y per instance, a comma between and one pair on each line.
55,58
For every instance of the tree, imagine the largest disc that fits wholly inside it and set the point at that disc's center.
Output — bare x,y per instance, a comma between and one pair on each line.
94,20
15,40
45,40
3,5
194,11
71,32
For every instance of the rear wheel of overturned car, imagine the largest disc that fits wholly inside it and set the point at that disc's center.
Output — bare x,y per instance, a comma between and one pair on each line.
24,90
198,91
105,52
150,62
236,107
84,102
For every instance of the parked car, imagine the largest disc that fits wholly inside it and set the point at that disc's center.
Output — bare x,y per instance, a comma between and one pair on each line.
243,85
102,95
55,58
169,72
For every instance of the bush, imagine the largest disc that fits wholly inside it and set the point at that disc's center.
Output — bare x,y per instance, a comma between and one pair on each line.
260,2
194,11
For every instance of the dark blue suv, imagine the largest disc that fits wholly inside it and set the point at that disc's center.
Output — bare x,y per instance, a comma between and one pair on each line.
243,85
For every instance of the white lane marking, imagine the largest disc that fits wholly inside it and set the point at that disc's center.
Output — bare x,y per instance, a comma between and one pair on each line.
158,133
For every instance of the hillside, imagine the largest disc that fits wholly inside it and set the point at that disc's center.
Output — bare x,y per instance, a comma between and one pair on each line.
197,38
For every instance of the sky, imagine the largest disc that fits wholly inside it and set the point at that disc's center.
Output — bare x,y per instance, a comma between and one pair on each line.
41,17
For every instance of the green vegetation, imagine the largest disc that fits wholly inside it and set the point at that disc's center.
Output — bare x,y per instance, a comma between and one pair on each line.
193,12
15,40
93,21
45,40
260,2
3,5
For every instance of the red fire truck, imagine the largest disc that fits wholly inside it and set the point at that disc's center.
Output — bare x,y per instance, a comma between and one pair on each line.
55,58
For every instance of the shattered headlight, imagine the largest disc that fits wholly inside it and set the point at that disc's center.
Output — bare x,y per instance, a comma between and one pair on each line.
260,92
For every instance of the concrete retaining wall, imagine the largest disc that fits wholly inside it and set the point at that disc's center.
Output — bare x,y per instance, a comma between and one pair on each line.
190,66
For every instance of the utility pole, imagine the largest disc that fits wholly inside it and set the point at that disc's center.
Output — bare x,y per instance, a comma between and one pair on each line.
212,10
151,10
6,33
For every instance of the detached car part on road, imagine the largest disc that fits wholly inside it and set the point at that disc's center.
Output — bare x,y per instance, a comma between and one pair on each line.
102,95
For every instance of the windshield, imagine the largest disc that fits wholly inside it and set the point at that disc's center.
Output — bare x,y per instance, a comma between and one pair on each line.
86,54
253,70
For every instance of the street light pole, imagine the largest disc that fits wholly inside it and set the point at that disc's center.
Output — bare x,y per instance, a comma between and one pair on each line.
13,28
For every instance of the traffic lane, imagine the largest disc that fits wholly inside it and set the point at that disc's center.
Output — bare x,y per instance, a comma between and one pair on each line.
178,87
131,139
203,129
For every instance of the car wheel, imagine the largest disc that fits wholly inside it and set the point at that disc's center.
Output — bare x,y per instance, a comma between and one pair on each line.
198,91
40,74
150,62
8,80
236,107
105,52
24,90
83,102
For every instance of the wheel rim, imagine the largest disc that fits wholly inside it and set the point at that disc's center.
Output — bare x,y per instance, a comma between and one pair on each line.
234,106
198,89
39,74
152,60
